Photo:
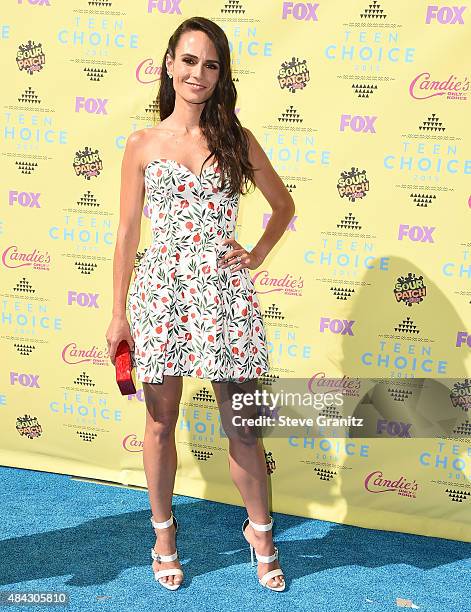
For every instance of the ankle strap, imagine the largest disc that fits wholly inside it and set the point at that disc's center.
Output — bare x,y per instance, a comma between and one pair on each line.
163,524
163,558
267,558
259,527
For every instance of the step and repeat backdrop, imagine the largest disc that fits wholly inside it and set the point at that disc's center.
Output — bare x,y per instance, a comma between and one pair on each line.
363,109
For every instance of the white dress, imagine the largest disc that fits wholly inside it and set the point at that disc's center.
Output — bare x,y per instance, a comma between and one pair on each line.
188,316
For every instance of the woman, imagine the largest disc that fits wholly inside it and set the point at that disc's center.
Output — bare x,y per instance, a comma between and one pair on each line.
193,308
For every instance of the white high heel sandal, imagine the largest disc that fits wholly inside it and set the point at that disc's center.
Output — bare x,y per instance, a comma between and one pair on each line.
172,571
265,559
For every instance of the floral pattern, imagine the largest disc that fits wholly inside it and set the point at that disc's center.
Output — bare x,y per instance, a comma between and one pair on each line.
188,316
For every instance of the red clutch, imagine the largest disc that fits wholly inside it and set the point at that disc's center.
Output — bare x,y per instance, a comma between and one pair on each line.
124,369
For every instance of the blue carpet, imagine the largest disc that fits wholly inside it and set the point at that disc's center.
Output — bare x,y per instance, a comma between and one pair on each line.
94,541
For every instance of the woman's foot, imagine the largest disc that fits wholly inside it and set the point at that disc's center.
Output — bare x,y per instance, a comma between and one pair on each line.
165,545
262,541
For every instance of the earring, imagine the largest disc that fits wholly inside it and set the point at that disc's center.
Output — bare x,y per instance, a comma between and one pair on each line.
170,75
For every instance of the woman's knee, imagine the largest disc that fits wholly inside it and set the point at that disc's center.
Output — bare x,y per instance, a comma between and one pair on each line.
242,439
162,403
162,427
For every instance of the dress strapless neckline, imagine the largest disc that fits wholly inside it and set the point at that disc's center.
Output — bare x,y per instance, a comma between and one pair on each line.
180,165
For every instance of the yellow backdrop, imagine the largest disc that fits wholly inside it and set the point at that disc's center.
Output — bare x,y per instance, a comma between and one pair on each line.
363,108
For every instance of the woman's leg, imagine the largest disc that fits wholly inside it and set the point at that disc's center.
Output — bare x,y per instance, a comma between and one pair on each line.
160,461
248,469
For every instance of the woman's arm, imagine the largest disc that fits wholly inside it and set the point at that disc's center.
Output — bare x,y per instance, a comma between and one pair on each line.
127,239
129,228
277,196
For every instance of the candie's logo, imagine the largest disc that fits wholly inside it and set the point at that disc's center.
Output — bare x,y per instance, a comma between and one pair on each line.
288,284
73,354
87,163
293,75
30,57
148,72
15,257
132,444
423,87
410,289
353,184
376,483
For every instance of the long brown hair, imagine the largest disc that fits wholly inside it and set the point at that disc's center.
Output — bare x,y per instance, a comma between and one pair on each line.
218,122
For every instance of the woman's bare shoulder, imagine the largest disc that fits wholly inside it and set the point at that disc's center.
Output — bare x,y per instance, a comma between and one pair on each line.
151,136
141,135
144,142
136,139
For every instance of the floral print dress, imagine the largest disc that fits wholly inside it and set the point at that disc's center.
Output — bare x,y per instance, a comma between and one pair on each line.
188,316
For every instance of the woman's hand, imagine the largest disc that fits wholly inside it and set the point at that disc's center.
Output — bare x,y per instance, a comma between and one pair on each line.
239,258
118,330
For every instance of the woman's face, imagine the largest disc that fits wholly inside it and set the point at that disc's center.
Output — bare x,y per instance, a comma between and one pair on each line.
196,63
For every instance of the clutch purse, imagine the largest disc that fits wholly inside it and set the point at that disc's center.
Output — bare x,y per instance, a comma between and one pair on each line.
124,369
